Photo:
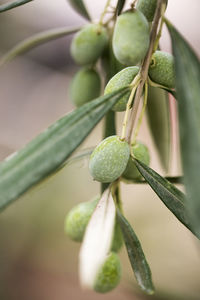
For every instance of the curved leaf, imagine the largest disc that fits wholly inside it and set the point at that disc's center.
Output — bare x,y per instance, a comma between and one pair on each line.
44,154
173,198
36,40
159,122
79,7
13,4
136,255
187,70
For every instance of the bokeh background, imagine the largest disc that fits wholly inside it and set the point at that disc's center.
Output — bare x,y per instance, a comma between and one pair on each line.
38,261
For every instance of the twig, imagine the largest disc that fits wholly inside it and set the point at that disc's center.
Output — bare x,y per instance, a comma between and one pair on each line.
144,70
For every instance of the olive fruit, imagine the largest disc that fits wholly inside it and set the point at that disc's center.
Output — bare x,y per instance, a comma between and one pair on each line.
88,44
140,152
109,274
161,69
77,219
121,79
131,37
85,86
148,8
109,159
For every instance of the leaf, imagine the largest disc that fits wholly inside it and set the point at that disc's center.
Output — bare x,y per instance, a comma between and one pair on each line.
97,240
120,6
13,4
44,154
187,70
159,121
79,7
36,40
173,198
136,255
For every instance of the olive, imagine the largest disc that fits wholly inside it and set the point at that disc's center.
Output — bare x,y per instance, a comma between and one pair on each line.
161,69
109,159
88,44
131,37
121,79
85,86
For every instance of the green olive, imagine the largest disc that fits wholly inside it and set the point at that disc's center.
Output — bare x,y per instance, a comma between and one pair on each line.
148,8
89,43
85,86
109,275
121,79
109,159
131,37
161,69
140,152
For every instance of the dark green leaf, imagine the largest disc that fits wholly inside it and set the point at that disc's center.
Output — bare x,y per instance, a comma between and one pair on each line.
44,154
120,6
36,40
136,255
173,198
13,4
187,70
79,7
159,122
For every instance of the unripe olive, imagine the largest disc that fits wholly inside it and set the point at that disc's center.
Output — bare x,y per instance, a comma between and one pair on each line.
88,44
131,37
161,69
140,152
77,219
148,8
121,79
109,159
109,275
85,86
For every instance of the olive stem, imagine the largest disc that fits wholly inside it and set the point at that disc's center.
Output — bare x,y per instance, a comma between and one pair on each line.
128,105
161,27
142,112
104,12
144,70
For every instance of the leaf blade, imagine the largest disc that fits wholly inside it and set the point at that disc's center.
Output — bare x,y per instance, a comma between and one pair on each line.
44,154
136,255
36,40
80,8
12,5
173,198
187,69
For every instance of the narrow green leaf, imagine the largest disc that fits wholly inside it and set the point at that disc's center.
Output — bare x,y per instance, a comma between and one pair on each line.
79,7
120,6
159,122
13,4
136,255
44,154
187,70
173,198
36,40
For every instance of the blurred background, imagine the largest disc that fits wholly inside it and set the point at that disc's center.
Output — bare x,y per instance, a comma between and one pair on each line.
38,261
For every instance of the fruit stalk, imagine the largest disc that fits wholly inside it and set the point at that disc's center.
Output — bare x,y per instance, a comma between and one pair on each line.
144,69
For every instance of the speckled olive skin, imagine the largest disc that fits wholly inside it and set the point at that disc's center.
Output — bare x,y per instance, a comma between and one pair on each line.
148,8
109,275
85,86
131,37
77,219
121,79
88,44
161,69
140,152
109,159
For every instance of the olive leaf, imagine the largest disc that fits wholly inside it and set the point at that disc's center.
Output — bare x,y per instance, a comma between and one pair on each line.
187,70
136,255
97,239
159,122
79,7
120,6
13,4
44,154
172,197
36,40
